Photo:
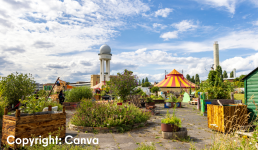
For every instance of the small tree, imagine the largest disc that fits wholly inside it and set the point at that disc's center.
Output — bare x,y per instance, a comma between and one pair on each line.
192,79
231,74
123,84
197,79
140,82
143,81
146,84
155,89
225,74
14,86
146,79
188,77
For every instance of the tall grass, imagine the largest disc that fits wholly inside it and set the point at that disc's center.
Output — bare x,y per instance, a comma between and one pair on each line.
78,93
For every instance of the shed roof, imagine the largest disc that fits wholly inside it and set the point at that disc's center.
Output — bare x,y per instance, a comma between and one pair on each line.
250,73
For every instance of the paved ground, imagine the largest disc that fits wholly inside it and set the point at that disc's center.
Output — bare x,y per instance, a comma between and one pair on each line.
196,125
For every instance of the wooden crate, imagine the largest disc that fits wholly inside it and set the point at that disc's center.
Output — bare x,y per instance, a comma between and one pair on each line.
29,126
226,118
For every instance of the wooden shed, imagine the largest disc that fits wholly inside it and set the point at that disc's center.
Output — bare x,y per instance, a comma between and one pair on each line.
251,89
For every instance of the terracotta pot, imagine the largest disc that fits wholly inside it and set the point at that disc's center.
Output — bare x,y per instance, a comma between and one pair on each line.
169,127
119,103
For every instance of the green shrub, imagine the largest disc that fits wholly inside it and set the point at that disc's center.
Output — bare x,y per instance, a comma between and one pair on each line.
149,100
91,114
33,105
160,98
171,119
78,93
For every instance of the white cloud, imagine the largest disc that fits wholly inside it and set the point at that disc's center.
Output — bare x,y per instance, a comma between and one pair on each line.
163,12
169,35
157,25
255,23
33,33
184,25
228,4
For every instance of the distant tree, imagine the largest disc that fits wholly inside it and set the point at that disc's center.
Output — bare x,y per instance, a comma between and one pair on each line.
232,74
155,89
225,74
143,81
14,86
192,79
140,82
219,72
146,84
197,79
146,79
188,77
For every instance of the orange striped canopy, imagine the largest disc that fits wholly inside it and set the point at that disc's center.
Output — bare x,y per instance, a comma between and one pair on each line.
174,79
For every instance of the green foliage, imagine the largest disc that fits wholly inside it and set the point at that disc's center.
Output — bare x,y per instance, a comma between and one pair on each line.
238,82
192,79
140,82
172,99
232,74
225,74
14,86
146,84
138,91
78,93
90,114
33,105
149,100
197,79
155,89
123,84
171,119
188,77
144,94
219,72
42,93
146,79
143,81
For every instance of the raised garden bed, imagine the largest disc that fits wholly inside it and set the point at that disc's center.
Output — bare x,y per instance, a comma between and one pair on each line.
159,101
226,118
172,104
101,129
71,105
29,125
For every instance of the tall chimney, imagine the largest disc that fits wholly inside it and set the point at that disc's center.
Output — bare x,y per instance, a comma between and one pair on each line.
234,73
216,54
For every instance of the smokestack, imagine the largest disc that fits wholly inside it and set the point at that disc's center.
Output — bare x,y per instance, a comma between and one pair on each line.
234,73
216,54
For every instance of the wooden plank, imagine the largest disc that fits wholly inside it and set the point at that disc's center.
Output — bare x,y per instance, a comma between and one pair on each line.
6,117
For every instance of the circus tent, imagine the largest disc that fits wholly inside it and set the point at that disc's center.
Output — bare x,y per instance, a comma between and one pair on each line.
175,80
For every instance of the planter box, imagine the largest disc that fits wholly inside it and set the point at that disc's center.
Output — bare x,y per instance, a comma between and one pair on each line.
29,126
169,127
97,97
150,104
225,118
178,105
159,101
169,104
71,105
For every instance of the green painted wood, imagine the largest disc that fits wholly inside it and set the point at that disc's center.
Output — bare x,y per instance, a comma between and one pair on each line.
245,91
251,88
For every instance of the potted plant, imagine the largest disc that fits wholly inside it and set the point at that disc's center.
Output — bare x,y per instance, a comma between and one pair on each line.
150,102
170,123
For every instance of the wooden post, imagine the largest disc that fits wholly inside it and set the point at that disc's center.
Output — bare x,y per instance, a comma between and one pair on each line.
63,109
17,113
49,108
232,95
5,111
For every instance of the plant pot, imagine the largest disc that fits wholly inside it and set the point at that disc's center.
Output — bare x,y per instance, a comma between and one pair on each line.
178,105
119,103
159,101
169,128
167,105
143,104
97,97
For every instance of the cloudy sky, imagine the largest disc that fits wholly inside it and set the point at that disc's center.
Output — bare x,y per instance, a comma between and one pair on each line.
51,38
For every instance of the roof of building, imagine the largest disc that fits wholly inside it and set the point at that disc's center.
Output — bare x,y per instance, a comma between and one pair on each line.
174,79
250,73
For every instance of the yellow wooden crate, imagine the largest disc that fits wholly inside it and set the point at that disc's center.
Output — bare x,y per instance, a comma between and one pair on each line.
226,118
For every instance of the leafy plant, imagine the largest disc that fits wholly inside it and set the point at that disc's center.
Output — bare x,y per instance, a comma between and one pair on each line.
155,89
14,86
123,84
90,114
171,119
149,100
78,93
146,147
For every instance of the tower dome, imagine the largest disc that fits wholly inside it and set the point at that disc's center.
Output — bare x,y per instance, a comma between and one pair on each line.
105,49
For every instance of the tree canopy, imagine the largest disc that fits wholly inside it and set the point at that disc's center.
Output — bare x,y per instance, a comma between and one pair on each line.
14,86
232,74
225,74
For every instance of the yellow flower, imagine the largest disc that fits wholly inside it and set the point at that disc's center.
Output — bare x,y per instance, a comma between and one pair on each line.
245,137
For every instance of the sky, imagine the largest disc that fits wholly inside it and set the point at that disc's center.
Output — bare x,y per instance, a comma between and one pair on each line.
61,38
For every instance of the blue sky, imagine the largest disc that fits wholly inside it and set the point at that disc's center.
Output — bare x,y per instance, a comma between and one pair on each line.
51,38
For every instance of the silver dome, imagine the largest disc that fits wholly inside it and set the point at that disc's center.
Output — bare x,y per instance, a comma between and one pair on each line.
105,49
